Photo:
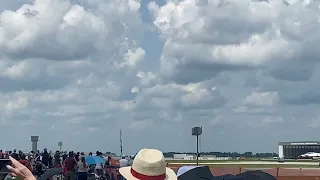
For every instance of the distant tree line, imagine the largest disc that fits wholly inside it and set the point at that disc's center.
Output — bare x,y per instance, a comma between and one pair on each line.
227,154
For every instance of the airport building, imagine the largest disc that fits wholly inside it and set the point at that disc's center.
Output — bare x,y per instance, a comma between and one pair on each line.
291,150
194,156
183,157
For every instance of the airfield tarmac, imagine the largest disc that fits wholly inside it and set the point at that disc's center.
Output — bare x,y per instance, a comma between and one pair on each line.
278,170
249,163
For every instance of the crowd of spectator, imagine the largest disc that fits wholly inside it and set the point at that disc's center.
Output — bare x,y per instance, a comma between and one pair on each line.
73,165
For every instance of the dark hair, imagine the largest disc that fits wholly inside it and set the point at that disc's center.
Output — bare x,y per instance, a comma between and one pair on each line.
83,160
70,154
22,156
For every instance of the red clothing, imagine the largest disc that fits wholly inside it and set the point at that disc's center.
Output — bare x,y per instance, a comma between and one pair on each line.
70,164
26,163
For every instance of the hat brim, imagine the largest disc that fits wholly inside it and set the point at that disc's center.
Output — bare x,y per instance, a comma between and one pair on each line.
126,173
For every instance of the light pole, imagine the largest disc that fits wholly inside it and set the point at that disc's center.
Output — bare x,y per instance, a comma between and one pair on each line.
197,131
121,143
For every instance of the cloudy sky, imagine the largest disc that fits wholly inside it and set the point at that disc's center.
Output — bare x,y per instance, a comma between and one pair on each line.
79,71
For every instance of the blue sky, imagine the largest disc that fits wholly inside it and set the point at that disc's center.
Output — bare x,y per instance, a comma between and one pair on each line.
79,71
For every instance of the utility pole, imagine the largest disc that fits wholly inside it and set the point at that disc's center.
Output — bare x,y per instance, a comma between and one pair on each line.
121,143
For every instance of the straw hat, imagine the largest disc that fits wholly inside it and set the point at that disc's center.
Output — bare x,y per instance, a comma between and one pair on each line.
149,164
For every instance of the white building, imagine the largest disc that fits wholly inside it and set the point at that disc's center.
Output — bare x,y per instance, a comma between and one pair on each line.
183,156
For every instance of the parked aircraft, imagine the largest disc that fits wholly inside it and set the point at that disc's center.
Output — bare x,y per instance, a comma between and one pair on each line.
310,155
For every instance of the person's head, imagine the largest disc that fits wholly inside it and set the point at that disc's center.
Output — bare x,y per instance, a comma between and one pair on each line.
109,158
97,153
70,154
14,150
123,157
132,156
148,164
22,156
90,153
78,153
83,159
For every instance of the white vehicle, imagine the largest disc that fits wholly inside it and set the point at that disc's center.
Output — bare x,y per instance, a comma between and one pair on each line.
310,155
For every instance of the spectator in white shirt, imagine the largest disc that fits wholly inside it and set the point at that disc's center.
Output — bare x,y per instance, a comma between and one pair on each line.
123,162
82,169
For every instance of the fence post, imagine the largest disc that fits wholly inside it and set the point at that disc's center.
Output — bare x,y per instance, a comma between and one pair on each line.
239,170
300,170
277,173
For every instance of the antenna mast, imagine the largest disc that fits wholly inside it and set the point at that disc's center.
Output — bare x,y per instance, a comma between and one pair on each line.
121,142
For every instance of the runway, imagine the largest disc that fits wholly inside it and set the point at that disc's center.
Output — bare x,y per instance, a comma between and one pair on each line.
282,173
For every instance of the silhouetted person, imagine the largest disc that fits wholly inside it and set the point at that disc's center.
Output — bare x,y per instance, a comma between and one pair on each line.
45,157
76,156
64,156
1,154
57,159
15,155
